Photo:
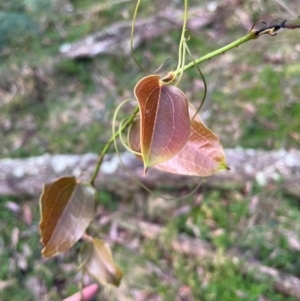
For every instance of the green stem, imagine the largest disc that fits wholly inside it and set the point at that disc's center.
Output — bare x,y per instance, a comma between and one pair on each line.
109,143
244,39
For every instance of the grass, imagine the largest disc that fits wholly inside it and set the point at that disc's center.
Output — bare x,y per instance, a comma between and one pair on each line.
151,267
253,94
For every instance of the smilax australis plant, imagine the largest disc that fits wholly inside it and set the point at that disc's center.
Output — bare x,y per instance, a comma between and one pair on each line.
164,131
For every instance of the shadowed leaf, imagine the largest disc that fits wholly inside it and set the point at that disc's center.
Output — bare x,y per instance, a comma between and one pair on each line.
67,208
165,124
202,155
270,24
98,262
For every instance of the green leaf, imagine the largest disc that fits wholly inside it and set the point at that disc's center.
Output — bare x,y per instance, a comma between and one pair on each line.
98,262
165,124
67,208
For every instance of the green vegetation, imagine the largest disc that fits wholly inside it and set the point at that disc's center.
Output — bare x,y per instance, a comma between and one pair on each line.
222,219
51,104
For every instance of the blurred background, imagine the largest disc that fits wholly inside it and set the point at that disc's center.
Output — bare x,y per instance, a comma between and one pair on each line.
65,65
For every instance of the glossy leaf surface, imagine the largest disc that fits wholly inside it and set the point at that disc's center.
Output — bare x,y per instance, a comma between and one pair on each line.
67,208
165,124
202,155
99,263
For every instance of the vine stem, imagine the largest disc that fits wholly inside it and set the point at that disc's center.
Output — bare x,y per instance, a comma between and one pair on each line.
109,143
250,36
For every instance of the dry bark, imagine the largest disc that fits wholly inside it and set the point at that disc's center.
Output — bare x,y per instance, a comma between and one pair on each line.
279,169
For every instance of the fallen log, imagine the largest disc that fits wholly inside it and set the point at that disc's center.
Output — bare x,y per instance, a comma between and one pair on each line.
115,39
275,169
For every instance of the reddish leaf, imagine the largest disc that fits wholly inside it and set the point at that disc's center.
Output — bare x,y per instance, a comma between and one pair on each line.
98,262
67,208
165,124
202,156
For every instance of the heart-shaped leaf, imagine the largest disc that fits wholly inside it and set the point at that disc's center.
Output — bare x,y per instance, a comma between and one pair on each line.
203,155
67,208
165,123
98,262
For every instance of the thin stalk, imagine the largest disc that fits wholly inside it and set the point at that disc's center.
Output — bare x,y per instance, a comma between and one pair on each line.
244,39
109,143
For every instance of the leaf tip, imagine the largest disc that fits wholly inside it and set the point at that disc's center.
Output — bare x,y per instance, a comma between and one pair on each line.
223,166
46,253
145,170
117,277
